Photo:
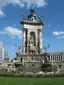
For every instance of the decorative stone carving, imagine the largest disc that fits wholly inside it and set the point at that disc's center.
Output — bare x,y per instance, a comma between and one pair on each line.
32,46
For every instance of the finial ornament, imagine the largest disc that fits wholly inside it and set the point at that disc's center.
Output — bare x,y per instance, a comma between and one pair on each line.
40,18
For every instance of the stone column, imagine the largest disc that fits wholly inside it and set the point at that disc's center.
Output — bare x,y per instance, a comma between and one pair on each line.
54,58
37,42
24,42
28,36
50,57
40,41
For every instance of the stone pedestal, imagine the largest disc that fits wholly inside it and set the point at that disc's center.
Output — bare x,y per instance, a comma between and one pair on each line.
32,63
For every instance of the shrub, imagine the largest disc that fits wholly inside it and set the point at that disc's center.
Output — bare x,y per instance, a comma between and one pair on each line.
9,74
29,75
19,75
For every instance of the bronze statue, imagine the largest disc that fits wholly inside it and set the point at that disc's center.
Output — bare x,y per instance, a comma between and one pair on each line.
32,14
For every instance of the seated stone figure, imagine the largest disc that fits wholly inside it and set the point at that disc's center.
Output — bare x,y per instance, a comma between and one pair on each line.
31,44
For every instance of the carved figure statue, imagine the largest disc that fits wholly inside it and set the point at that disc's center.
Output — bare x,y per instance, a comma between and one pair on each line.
32,44
31,41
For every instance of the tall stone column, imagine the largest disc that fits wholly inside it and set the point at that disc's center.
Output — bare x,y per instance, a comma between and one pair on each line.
54,58
40,41
24,42
37,42
28,36
50,57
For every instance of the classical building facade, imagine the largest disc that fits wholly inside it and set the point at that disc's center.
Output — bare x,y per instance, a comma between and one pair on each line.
57,58
32,42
